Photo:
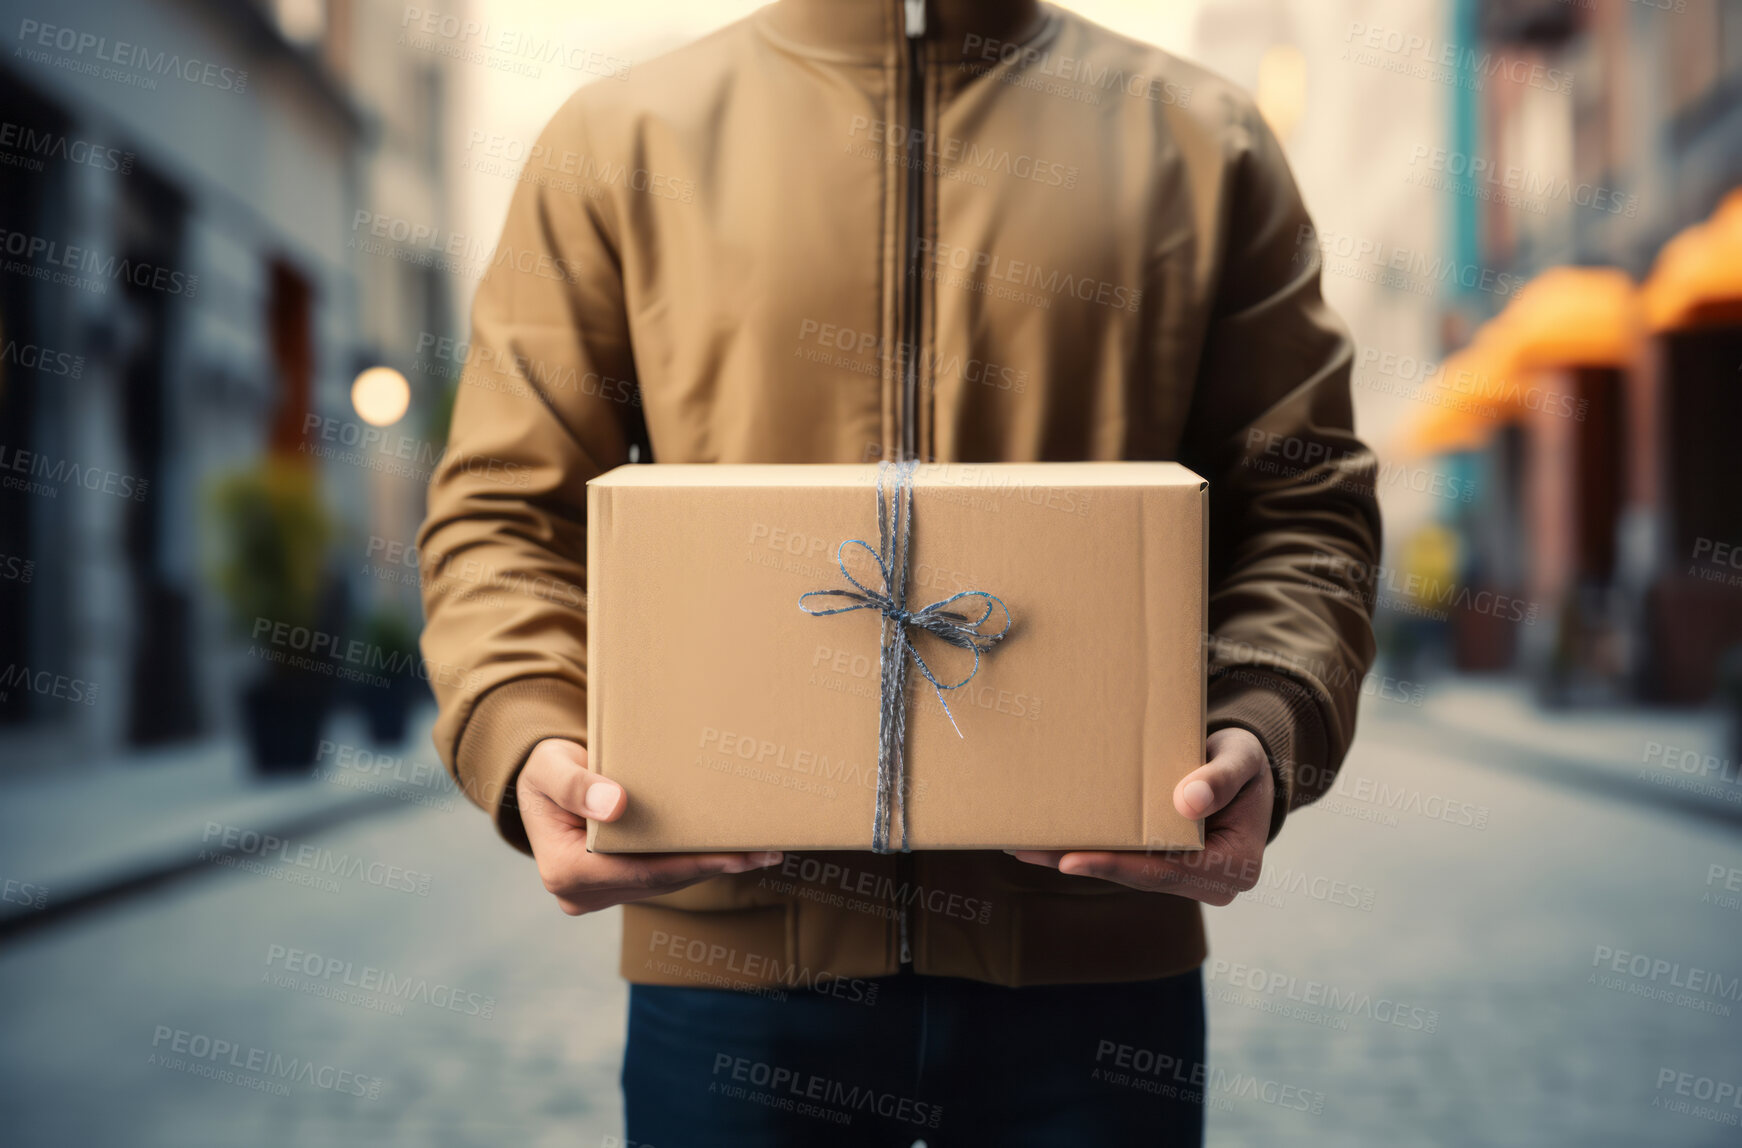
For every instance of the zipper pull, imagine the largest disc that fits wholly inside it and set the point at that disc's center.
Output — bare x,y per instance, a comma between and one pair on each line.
915,18
906,949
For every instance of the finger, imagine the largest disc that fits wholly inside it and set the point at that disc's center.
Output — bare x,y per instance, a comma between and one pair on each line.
601,871
1242,827
588,881
680,871
582,792
657,870
1232,857
1121,867
1210,877
570,872
602,880
1215,878
558,840
1136,870
1212,786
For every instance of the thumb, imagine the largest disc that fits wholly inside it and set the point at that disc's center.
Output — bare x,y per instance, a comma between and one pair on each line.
1213,785
558,769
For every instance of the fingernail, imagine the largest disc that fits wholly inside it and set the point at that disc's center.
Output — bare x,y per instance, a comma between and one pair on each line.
764,860
1198,795
601,798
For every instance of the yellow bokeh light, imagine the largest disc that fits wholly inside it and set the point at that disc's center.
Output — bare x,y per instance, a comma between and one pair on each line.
1281,94
381,396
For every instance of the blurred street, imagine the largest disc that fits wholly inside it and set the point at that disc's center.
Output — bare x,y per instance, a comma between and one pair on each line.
1421,964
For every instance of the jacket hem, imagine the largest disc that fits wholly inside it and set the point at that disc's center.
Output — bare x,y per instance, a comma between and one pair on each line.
1282,715
505,725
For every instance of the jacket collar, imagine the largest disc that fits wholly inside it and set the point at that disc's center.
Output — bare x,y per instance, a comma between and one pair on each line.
874,31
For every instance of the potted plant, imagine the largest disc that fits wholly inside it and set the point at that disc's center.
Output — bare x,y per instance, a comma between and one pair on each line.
392,641
1730,697
272,536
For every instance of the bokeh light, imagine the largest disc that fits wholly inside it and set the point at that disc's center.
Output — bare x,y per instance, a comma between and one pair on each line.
381,396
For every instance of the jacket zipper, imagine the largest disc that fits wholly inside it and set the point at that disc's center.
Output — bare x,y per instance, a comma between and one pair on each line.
915,209
914,22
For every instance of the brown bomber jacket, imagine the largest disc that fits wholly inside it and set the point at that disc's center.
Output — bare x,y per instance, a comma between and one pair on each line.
810,237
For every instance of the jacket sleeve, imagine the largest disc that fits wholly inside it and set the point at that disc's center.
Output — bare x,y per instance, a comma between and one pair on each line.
545,402
1294,519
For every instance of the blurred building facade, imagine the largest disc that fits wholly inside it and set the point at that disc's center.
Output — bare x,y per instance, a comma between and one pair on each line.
1589,160
1378,237
182,184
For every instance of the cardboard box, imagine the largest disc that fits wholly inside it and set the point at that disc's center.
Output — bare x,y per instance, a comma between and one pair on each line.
737,721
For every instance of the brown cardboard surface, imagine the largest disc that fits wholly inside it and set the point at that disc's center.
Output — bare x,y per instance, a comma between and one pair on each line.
737,721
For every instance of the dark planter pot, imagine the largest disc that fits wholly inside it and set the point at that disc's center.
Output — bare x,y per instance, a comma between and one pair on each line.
282,716
387,710
1730,696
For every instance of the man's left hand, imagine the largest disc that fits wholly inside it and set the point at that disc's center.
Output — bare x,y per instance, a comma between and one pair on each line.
1234,792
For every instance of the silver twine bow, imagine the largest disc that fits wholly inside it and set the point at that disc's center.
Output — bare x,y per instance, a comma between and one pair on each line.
894,529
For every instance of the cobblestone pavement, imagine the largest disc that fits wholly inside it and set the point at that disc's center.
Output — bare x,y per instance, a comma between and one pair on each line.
1445,952
1499,965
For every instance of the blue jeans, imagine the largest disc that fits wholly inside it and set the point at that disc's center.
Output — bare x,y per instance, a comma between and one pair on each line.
887,1062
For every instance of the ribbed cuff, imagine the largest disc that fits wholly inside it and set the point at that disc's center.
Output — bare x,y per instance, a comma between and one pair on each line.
1283,715
505,724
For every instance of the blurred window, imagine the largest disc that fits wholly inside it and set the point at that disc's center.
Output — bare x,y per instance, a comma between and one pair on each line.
1703,406
1592,107
1730,41
290,327
427,116
34,328
1599,462
1694,48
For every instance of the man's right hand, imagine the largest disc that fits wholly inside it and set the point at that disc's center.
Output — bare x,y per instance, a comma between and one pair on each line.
557,793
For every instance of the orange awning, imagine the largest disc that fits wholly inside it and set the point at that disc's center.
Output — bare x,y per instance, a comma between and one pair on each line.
1565,317
1461,417
1697,279
1446,430
1573,317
